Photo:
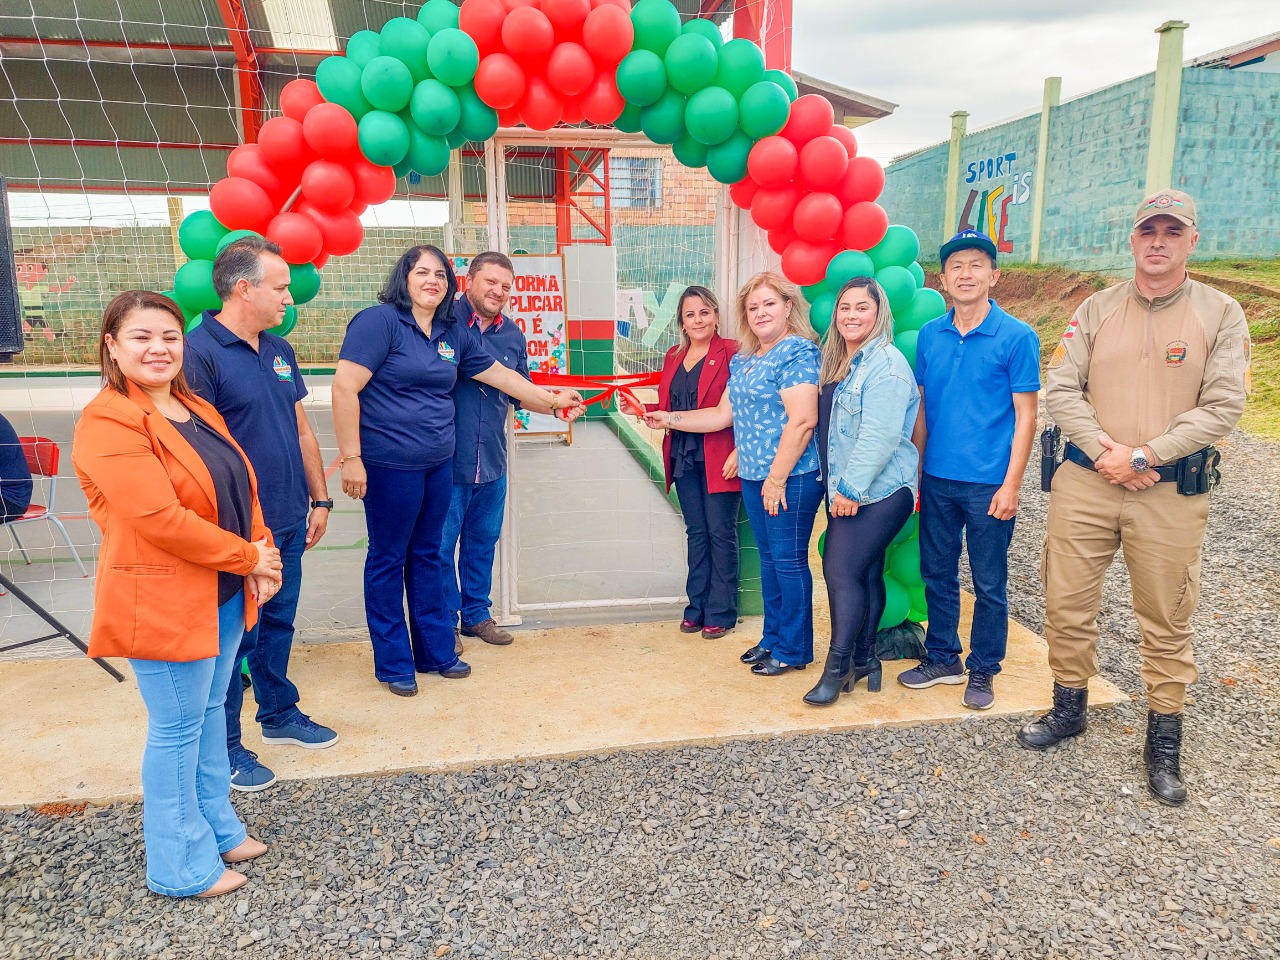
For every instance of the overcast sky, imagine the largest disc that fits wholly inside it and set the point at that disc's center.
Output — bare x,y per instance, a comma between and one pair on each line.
932,57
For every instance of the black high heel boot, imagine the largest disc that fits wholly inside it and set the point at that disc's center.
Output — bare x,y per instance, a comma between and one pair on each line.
867,664
836,679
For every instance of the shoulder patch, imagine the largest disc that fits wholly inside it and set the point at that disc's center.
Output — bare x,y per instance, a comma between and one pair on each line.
1071,329
1059,356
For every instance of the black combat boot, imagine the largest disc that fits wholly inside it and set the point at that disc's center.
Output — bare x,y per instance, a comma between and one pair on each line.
1066,719
837,678
1164,744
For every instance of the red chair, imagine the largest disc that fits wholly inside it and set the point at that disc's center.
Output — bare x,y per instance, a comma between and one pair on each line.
42,460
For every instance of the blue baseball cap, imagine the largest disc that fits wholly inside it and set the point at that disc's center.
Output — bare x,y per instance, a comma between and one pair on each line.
967,240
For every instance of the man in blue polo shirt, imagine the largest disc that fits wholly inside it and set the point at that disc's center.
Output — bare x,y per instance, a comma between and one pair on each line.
979,374
252,378
480,458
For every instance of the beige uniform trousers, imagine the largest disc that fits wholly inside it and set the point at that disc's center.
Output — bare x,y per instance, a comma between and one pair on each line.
1161,532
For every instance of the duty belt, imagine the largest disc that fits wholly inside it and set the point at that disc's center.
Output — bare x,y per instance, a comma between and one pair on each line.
1076,455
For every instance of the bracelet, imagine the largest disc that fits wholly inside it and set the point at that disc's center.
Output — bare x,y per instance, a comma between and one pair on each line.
776,483
342,461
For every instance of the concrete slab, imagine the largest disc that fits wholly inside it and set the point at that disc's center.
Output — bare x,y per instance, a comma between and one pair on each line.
73,734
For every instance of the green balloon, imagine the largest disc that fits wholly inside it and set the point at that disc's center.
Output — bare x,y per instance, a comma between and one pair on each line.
479,121
820,313
727,162
193,286
193,320
656,23
437,15
712,115
339,81
453,57
690,152
304,282
917,271
199,235
455,138
663,122
704,28
384,138
642,78
897,604
691,63
909,529
765,109
363,47
906,343
232,237
815,290
846,265
428,154
741,66
285,326
899,247
904,562
407,40
387,84
403,168
822,543
919,606
783,79
924,306
899,285
435,108
629,120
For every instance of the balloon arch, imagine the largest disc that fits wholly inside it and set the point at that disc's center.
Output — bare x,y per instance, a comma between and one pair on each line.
400,99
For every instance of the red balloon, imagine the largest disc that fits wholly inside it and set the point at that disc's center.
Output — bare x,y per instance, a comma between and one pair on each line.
299,96
811,116
804,263
283,145
541,107
331,132
298,236
241,204
566,15
500,81
779,240
863,181
774,208
572,112
482,20
620,4
320,261
342,230
358,208
602,103
509,117
864,225
512,4
527,34
845,136
608,34
329,185
823,161
247,161
818,217
374,184
742,192
570,69
773,161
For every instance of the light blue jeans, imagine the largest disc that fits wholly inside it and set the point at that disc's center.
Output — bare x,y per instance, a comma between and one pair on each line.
187,818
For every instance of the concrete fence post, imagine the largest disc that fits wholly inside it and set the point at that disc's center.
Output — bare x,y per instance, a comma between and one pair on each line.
1164,106
959,123
1052,97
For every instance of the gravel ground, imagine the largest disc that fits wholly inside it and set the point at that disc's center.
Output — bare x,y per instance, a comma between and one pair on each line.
945,841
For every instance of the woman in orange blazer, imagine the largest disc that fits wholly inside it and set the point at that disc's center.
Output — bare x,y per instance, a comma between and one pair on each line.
703,466
185,562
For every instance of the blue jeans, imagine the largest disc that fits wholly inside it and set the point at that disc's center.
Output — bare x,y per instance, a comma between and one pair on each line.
472,529
267,646
949,508
187,818
785,579
405,511
711,528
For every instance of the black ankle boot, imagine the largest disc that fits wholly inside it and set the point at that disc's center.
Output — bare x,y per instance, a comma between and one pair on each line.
1066,719
836,679
1164,746
869,669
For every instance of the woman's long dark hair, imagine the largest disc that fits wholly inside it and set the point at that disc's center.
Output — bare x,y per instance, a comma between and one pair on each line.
113,318
396,289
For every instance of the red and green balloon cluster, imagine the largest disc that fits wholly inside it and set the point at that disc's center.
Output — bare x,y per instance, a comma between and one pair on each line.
903,586
544,62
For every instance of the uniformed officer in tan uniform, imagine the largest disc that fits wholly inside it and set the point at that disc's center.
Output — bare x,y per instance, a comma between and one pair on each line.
1148,374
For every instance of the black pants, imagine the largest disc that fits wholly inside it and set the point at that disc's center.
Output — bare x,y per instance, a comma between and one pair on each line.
711,527
853,565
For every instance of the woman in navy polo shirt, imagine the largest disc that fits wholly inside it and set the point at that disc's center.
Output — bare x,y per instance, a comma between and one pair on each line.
772,402
393,417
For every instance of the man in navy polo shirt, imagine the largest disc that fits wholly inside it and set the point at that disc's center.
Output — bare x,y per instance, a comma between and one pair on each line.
480,457
979,374
252,378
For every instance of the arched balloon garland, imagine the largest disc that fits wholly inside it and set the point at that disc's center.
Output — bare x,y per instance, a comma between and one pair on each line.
400,99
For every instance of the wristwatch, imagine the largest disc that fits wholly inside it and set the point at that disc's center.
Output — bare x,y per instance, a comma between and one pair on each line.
327,504
1138,461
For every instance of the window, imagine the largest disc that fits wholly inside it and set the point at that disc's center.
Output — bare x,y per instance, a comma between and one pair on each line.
634,182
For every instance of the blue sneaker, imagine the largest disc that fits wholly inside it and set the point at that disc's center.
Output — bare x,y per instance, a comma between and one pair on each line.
247,774
978,695
301,731
929,672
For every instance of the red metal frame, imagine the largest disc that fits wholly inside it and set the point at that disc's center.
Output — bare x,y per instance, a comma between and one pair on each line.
252,97
774,18
576,181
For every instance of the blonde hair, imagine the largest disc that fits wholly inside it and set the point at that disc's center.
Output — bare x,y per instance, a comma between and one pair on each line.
835,351
797,310
703,294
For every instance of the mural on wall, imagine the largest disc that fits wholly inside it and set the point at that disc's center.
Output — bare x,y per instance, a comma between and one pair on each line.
987,208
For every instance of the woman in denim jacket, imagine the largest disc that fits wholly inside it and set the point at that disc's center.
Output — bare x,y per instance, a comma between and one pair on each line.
867,405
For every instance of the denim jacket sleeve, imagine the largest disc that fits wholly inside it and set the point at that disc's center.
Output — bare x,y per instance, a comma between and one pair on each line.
885,399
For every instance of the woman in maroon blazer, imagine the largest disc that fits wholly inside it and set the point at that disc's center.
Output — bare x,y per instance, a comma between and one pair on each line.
703,466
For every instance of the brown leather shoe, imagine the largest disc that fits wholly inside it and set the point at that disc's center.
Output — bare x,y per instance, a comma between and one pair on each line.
249,849
457,642
489,632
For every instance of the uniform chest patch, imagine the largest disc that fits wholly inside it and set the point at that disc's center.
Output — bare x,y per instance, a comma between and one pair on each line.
446,352
282,368
1175,353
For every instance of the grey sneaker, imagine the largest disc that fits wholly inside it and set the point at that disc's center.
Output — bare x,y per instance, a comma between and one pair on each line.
247,774
978,695
929,673
489,632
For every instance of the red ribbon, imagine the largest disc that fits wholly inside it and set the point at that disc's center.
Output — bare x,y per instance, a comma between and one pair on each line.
621,384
